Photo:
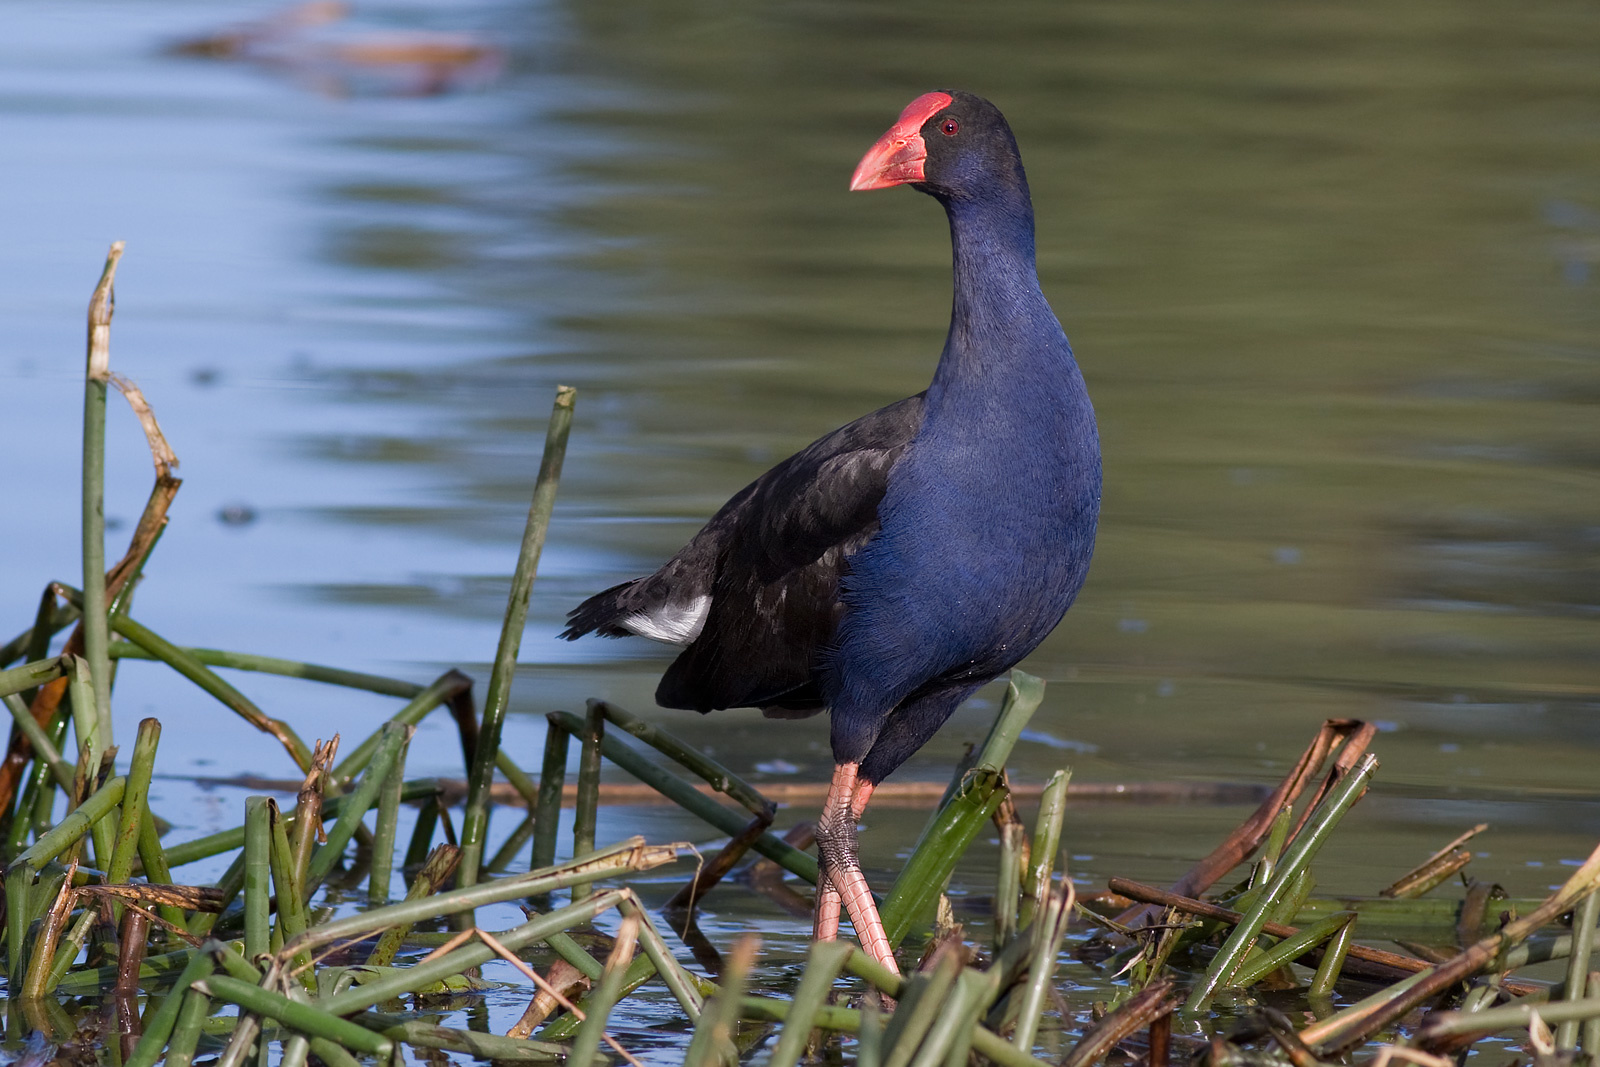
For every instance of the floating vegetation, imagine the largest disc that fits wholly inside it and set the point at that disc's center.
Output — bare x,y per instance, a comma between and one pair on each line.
106,955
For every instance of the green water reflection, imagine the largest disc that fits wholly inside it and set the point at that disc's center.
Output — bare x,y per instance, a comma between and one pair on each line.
1328,272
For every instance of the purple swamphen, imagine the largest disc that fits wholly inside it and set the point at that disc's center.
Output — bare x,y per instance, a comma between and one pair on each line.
895,565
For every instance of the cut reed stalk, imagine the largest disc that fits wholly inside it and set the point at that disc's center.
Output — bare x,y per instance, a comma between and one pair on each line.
1049,927
552,776
475,820
1295,861
257,876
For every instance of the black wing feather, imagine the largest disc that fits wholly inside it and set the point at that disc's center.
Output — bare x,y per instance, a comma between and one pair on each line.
770,560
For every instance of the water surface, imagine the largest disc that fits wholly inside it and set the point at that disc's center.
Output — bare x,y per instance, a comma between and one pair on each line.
1329,273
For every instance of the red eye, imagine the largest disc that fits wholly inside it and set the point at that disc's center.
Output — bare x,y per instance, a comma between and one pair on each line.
949,127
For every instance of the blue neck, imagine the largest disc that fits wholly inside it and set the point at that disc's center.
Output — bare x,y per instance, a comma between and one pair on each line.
1000,320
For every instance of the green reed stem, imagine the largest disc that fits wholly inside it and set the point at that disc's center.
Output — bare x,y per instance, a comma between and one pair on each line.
159,1024
421,704
32,675
257,876
435,870
713,1034
192,1014
472,955
475,820
1008,885
585,816
491,1047
43,749
1288,950
956,825
715,774
422,830
96,378
823,964
630,855
388,824
288,668
507,852
208,680
552,777
686,796
684,986
228,840
950,1037
1050,926
292,916
309,1020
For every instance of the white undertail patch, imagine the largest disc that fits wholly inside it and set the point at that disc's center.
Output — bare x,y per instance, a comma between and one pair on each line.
675,623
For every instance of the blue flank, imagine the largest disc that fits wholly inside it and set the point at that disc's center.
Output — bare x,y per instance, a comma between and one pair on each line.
988,521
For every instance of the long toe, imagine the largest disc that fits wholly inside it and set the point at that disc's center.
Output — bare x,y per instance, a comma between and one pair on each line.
864,916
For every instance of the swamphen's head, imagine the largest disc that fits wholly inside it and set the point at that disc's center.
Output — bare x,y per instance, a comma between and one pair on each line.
949,144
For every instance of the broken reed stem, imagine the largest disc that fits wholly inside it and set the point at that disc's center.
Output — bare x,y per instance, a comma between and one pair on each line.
389,755
1350,1025
1046,842
475,819
43,748
96,377
421,703
1294,863
134,804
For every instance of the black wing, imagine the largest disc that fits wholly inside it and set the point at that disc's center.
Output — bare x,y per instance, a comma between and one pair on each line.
769,561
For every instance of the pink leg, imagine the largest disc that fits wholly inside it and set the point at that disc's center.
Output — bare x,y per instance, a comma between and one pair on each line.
842,882
825,927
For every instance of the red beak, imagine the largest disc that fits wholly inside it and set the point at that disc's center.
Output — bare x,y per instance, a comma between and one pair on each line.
898,155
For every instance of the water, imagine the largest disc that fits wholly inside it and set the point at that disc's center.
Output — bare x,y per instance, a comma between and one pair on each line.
1330,274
